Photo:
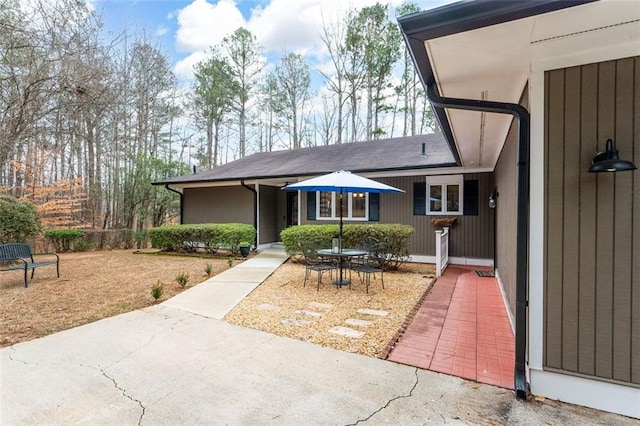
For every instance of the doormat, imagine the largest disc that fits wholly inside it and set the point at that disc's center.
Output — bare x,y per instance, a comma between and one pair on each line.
486,274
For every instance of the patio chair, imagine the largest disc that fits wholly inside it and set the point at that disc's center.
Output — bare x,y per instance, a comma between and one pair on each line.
315,263
371,264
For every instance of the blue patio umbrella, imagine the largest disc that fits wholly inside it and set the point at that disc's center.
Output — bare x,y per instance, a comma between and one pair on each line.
342,182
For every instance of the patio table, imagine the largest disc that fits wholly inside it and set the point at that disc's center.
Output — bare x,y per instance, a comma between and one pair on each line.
341,256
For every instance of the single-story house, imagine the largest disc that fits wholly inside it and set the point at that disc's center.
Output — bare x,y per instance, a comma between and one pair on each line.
533,90
248,190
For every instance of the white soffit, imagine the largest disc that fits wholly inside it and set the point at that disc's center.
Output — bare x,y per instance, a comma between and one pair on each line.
495,62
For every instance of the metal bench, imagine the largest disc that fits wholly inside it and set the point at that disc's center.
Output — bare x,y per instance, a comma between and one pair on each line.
18,256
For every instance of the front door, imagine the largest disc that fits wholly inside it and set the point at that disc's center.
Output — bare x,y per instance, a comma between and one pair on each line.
292,208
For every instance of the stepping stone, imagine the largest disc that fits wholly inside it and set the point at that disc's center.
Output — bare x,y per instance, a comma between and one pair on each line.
268,307
296,322
373,312
358,322
308,313
347,332
320,305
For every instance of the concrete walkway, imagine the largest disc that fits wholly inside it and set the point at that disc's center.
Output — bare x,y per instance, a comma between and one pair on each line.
175,363
218,295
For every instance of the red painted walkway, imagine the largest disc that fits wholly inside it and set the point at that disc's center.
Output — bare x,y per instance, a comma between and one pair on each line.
462,329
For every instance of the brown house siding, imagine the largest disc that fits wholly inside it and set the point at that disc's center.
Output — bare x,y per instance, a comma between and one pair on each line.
592,222
226,204
506,175
472,237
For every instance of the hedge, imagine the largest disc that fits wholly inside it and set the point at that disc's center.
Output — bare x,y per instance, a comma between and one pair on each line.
211,236
396,237
63,239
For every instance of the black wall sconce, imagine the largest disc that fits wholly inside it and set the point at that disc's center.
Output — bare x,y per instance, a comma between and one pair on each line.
609,161
493,199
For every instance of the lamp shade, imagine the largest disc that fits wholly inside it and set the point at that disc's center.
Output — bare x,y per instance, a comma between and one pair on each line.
609,161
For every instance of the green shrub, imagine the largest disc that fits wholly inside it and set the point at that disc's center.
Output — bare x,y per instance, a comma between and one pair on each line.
18,220
396,237
207,269
63,239
141,239
182,278
208,235
157,290
82,245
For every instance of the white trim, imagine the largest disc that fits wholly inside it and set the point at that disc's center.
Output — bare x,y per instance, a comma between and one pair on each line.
536,222
512,319
299,200
443,181
470,261
334,207
257,188
605,396
418,258
603,45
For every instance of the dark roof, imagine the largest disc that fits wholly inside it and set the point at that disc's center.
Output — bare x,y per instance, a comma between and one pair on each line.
461,17
378,155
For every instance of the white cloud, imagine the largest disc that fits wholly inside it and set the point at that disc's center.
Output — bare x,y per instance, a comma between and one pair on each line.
202,24
280,26
183,69
160,31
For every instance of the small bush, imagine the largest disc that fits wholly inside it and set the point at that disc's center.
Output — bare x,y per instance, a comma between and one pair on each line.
157,290
63,239
141,239
211,236
396,237
207,269
230,261
18,220
82,245
182,278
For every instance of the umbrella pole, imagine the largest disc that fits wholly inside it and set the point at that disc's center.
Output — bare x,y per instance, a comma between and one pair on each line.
340,239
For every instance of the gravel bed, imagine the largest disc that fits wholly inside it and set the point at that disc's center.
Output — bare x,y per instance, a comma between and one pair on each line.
282,294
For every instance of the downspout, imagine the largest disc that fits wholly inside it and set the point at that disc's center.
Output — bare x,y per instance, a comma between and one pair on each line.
255,211
522,244
168,188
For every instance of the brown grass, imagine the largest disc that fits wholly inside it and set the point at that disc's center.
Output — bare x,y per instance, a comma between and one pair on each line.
92,286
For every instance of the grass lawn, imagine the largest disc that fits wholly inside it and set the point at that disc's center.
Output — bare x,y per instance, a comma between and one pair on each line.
92,286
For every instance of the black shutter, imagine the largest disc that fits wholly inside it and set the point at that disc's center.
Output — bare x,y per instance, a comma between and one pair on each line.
419,198
470,197
374,206
311,205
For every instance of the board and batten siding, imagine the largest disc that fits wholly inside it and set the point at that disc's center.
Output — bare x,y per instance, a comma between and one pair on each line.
506,176
592,223
223,204
472,237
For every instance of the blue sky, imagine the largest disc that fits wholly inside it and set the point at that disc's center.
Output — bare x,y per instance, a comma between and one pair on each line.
184,29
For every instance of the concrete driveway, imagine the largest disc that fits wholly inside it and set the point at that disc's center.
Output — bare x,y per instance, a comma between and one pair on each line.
167,366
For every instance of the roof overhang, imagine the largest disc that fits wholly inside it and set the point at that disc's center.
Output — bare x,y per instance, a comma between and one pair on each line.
485,49
280,181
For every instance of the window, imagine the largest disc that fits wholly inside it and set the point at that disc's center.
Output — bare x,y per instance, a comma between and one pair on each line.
355,206
445,195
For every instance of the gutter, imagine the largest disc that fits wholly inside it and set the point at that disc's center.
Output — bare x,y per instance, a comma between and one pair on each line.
255,210
522,244
168,188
